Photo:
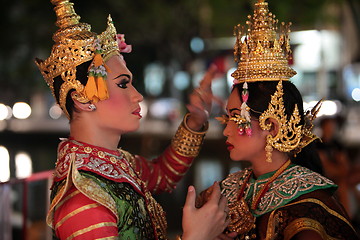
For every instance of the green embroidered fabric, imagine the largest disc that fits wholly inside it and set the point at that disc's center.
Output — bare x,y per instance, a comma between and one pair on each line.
134,221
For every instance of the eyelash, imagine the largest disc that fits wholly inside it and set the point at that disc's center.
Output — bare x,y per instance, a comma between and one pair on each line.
123,84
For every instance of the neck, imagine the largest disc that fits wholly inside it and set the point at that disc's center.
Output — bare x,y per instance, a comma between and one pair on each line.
86,132
261,167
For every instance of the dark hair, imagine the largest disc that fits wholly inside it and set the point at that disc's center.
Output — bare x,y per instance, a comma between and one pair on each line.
259,98
82,76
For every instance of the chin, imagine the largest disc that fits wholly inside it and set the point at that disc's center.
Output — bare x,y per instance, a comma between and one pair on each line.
235,158
134,128
129,129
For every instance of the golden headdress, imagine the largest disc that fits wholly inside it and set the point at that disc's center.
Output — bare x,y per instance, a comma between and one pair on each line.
74,45
262,54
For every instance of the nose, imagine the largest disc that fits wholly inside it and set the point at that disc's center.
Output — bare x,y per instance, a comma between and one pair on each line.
137,96
226,131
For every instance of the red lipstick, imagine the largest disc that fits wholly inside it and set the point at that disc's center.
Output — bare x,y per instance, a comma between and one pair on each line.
137,112
229,146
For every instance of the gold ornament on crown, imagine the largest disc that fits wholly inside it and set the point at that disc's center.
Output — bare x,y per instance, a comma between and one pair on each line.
74,45
261,53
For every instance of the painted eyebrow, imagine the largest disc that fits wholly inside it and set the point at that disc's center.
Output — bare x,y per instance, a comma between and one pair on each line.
233,109
123,75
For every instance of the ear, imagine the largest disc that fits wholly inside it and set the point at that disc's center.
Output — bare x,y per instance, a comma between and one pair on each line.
78,105
274,129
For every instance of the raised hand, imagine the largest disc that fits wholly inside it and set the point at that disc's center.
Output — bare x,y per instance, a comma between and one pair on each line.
201,101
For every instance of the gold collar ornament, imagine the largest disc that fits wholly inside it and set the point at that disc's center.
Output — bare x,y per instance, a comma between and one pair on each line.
262,54
76,44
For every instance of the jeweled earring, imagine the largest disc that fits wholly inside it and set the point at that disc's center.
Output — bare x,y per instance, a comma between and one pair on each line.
240,130
268,150
92,107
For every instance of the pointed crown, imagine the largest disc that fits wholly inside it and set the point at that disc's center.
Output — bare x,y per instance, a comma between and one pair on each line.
261,53
74,45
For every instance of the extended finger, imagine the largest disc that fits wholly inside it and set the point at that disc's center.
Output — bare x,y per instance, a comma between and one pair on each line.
223,203
216,193
190,198
208,77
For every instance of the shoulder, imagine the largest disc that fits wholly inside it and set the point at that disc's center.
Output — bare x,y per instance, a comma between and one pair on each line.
131,158
235,178
77,212
316,211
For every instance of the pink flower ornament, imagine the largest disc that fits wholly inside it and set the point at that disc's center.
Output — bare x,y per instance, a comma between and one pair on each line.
123,47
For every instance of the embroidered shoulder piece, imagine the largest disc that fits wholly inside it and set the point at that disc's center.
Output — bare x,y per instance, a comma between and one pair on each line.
308,214
292,183
111,165
232,185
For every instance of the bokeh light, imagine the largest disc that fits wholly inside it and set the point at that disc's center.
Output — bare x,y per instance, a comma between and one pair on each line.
21,110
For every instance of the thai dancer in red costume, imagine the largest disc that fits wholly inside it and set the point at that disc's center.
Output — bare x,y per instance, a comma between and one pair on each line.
100,191
282,195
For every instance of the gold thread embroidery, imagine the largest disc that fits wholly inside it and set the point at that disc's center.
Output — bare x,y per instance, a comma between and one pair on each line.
329,210
293,181
158,182
302,224
90,228
67,198
92,190
173,156
77,211
107,238
271,223
164,160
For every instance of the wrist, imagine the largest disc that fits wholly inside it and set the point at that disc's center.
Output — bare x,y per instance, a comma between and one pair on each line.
187,142
194,126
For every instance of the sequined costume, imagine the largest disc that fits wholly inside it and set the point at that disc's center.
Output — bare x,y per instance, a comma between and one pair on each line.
104,194
297,200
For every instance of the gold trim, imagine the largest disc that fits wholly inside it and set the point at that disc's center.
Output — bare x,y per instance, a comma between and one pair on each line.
90,228
167,164
271,223
61,193
205,127
76,192
178,160
302,224
76,211
107,238
157,183
93,191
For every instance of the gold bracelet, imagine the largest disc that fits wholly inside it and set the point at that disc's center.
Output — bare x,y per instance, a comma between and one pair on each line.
187,142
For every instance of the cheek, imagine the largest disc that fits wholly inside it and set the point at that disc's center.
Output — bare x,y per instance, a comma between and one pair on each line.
118,100
115,106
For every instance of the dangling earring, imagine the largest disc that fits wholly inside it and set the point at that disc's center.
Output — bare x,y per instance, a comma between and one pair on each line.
92,107
268,150
240,130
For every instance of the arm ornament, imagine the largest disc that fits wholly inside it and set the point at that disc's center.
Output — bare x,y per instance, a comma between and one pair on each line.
187,142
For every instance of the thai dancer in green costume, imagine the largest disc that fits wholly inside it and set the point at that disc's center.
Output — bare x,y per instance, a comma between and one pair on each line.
100,191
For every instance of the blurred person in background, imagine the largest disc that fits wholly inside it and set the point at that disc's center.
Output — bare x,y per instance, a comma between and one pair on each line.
334,158
99,190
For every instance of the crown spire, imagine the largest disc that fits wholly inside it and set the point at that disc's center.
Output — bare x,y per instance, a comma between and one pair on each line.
262,52
68,22
75,44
